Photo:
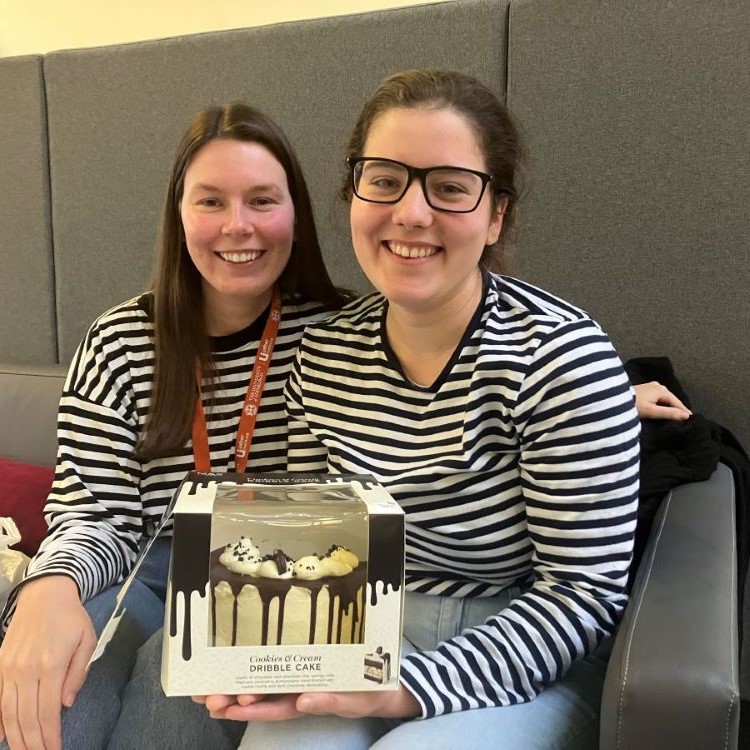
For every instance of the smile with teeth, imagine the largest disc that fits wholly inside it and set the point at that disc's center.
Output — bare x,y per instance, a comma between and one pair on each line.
241,257
411,251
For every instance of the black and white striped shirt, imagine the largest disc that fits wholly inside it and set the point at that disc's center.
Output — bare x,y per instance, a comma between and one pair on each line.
518,466
103,500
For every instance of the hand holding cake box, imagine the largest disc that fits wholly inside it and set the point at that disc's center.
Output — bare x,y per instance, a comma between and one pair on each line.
281,584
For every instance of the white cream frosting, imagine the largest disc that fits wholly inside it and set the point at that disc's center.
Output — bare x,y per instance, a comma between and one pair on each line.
344,555
269,567
309,568
244,558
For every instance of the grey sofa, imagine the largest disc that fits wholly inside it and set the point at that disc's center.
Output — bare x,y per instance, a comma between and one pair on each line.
636,115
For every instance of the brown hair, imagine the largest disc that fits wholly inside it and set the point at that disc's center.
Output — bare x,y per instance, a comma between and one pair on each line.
496,131
180,336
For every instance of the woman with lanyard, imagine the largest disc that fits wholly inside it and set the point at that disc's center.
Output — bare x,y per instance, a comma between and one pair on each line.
163,384
501,420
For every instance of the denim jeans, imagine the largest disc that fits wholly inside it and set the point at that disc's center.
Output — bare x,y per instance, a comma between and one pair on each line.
95,720
564,716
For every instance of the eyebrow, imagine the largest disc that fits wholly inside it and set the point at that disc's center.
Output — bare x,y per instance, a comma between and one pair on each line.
214,189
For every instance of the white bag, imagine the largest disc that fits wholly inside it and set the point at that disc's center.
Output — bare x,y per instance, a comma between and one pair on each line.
13,563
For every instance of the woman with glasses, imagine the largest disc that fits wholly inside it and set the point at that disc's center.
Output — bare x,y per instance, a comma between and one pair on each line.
498,416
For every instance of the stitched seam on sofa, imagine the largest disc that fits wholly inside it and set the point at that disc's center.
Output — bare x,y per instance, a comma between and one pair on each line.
24,375
668,502
506,84
50,218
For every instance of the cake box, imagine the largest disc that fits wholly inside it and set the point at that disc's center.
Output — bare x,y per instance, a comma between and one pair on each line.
283,583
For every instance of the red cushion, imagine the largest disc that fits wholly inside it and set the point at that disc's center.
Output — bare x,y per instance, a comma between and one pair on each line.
23,493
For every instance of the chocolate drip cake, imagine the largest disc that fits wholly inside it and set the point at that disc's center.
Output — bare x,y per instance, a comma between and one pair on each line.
273,600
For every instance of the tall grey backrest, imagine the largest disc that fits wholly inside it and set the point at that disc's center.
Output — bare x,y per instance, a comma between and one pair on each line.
638,121
115,115
636,115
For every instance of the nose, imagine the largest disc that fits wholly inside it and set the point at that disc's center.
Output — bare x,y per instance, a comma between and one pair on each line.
413,210
238,220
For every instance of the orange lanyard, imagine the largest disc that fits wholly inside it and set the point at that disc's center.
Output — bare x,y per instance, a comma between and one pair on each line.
252,398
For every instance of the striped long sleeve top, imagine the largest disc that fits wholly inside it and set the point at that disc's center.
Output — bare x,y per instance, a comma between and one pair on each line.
103,499
519,465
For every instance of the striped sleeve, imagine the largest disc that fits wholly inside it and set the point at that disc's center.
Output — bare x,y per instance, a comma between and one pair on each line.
94,509
305,452
103,500
578,432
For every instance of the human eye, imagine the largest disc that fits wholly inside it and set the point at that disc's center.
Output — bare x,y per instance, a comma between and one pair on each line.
453,186
450,188
380,179
209,202
262,201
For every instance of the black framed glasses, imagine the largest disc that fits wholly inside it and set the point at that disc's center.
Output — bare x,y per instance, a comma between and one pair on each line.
453,189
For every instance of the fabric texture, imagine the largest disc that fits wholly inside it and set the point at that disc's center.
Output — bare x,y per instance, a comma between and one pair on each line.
27,281
623,121
518,466
23,493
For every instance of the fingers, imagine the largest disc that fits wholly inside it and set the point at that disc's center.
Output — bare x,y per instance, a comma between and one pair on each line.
48,628
2,726
317,703
21,720
668,412
9,711
268,708
77,669
665,397
350,705
35,733
655,401
215,703
392,703
248,700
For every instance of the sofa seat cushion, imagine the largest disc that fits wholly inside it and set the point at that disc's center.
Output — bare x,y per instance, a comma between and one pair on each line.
23,492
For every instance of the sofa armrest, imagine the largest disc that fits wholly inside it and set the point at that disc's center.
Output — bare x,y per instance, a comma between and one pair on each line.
672,679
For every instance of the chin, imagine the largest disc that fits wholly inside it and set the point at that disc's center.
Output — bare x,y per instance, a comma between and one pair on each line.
411,299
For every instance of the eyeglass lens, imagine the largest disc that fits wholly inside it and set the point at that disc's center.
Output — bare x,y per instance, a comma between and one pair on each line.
450,189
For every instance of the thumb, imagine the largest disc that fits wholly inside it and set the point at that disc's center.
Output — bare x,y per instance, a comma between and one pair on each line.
78,669
316,703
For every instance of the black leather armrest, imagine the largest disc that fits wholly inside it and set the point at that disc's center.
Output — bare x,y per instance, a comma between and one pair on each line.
672,680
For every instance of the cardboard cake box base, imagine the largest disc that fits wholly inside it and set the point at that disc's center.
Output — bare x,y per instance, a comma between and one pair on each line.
313,595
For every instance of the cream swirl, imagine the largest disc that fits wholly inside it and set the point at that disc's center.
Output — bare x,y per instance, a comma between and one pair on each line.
242,558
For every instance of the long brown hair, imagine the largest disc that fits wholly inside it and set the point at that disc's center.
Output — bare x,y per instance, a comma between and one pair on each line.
180,337
496,131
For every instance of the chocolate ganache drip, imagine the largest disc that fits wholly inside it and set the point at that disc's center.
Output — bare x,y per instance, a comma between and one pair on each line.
189,570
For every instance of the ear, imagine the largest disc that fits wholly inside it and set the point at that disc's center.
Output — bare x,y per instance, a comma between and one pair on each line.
496,221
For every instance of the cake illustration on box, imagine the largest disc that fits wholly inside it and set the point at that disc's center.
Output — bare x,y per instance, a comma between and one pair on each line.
378,666
272,599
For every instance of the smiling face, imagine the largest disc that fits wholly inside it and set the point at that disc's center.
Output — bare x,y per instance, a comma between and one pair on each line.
421,259
238,218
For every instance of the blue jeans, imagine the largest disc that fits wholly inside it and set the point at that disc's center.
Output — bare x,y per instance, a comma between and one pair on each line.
95,720
565,715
